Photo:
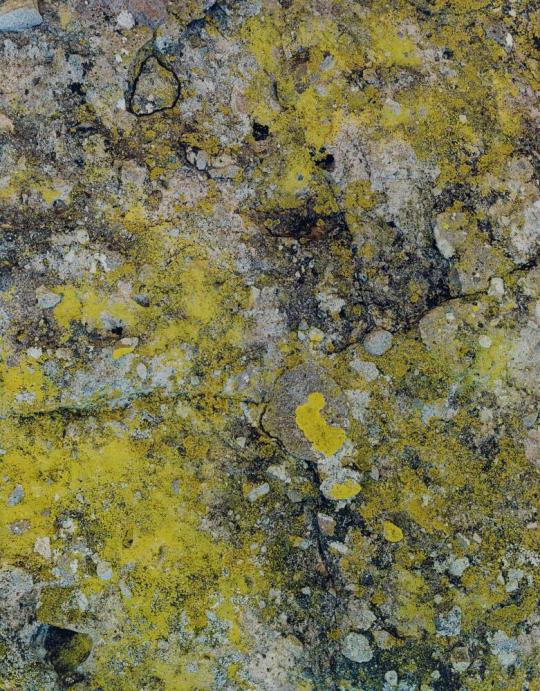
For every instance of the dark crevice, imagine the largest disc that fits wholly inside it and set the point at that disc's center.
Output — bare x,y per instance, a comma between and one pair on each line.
333,579
315,505
433,304
101,405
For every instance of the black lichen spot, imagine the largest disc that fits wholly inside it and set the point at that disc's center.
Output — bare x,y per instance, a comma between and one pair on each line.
303,223
195,27
260,132
322,158
327,162
77,88
217,14
66,649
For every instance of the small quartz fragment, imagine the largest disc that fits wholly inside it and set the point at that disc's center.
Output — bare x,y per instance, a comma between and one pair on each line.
377,342
258,492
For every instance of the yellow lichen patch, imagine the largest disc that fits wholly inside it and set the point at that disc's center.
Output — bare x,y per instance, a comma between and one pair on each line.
199,296
143,516
23,385
359,194
392,532
264,40
491,365
319,116
136,218
121,351
393,47
414,614
295,175
87,306
344,490
394,114
52,193
69,309
322,436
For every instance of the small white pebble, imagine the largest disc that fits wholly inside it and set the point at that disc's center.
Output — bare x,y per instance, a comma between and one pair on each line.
16,496
258,492
46,299
377,342
339,547
458,566
42,546
391,677
126,592
484,341
496,287
104,570
356,647
125,20
368,370
278,472
34,353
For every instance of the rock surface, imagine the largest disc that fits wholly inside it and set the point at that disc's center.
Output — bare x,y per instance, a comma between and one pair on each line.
269,345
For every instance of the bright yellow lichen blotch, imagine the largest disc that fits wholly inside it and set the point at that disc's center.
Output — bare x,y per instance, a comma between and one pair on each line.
121,351
322,436
345,490
392,532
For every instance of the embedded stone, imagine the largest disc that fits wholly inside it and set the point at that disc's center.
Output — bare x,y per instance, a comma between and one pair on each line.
308,413
18,15
156,88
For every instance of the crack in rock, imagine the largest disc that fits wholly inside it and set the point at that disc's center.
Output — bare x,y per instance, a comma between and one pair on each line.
155,88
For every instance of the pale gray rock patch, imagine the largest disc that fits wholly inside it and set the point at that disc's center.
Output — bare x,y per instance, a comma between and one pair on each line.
47,299
356,648
18,15
104,570
378,342
504,647
258,492
16,496
449,623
